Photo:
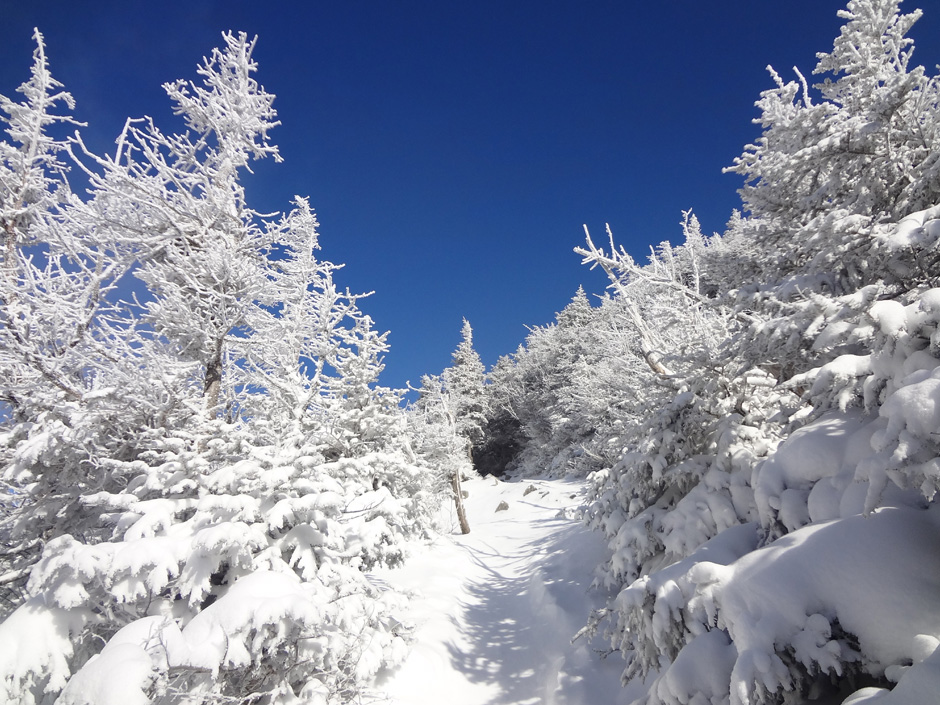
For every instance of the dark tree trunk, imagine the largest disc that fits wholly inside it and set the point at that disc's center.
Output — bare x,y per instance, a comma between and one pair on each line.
213,383
458,498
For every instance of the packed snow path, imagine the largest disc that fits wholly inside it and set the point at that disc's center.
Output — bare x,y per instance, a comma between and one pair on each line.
494,611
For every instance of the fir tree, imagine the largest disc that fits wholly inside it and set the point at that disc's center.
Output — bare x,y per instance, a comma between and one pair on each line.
464,381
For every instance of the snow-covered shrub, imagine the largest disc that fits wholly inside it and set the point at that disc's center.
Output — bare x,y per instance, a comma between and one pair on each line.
253,554
797,618
684,482
201,519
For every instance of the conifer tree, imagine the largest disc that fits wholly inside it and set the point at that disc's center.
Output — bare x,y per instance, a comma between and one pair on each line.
819,299
205,556
464,381
433,425
827,169
180,196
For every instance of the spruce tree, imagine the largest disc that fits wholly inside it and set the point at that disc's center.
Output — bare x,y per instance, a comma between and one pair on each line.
464,381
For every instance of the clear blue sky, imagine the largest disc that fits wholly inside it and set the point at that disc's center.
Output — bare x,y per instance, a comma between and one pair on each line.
452,150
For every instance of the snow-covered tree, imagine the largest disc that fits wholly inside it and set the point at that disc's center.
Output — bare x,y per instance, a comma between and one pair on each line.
297,324
536,405
364,415
181,196
448,418
693,417
433,427
825,171
464,381
70,382
213,556
798,432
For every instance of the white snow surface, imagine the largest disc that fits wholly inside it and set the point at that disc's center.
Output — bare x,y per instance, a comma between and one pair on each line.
494,611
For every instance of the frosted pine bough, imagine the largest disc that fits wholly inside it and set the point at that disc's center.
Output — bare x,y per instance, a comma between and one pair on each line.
198,472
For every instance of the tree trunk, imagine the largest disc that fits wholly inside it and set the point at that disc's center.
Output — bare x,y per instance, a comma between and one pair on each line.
458,499
213,383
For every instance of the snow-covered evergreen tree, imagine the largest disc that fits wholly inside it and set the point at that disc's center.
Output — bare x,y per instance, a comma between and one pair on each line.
464,381
213,556
449,417
543,397
825,171
203,263
799,434
432,425
70,381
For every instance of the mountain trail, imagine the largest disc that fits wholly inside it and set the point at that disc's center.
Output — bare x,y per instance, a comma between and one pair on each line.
494,611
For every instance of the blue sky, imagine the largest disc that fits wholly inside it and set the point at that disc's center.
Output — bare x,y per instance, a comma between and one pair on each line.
453,150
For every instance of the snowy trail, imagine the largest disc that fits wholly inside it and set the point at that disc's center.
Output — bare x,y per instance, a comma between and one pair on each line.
495,610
